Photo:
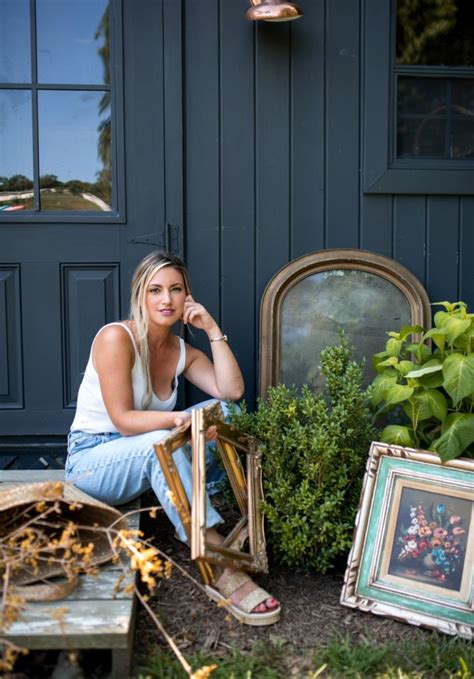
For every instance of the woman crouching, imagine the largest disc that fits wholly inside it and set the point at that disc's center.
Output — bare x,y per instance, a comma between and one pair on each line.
126,404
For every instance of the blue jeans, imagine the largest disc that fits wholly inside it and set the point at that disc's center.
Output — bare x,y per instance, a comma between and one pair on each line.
116,469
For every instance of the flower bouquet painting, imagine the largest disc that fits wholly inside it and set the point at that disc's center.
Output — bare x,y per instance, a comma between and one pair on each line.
430,538
412,557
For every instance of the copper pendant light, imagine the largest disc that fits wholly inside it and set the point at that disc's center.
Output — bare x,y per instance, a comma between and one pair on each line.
273,10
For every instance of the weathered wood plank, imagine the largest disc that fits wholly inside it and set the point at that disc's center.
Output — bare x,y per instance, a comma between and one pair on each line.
31,475
86,624
101,587
92,616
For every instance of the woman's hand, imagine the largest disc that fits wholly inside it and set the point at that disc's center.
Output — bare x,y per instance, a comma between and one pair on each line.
182,418
221,377
198,316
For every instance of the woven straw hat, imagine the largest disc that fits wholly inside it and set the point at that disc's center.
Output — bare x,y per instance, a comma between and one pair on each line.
18,504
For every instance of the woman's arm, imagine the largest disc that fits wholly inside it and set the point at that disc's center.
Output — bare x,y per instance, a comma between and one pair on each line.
113,357
222,377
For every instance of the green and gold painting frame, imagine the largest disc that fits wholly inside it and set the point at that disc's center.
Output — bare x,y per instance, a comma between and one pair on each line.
412,556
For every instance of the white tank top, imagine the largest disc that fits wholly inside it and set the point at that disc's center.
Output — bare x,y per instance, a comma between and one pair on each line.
91,413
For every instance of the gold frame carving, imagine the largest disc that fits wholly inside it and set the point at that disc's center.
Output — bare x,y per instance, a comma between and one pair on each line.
326,260
247,488
164,451
245,484
372,581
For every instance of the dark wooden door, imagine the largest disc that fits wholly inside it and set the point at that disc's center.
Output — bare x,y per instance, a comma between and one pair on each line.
66,272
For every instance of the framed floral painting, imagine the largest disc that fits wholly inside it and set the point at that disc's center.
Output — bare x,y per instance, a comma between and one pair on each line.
413,552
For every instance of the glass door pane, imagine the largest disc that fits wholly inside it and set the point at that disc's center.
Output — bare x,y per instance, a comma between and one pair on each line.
75,150
16,151
15,52
73,41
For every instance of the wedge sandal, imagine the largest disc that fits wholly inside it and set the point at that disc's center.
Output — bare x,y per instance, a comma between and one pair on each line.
243,612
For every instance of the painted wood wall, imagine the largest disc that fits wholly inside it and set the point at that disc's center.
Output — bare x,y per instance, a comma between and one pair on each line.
273,120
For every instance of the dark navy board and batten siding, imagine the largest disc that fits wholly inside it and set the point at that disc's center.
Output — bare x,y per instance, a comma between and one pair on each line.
274,151
250,140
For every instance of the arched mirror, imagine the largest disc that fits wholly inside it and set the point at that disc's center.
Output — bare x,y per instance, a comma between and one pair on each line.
309,300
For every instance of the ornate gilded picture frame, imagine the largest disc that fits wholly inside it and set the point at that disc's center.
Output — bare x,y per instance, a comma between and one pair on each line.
308,302
413,552
247,488
164,451
246,485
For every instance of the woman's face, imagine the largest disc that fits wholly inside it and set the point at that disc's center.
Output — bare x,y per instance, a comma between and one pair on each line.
164,297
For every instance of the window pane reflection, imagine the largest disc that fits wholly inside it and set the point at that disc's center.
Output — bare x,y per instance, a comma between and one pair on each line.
462,140
435,117
421,95
423,137
435,32
73,41
75,150
463,94
15,66
16,155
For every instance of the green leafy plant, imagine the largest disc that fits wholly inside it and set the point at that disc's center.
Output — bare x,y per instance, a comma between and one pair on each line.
431,380
314,452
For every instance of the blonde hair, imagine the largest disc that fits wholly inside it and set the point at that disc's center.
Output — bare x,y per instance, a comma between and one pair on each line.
144,272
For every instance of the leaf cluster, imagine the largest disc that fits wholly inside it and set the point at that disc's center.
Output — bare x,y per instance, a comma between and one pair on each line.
429,375
314,451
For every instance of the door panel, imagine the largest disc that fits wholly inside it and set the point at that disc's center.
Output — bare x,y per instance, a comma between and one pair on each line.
11,378
61,280
90,298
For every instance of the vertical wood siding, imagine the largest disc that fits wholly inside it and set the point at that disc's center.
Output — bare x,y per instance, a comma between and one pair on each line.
272,120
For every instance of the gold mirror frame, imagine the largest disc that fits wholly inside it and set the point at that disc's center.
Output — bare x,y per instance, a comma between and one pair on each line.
326,260
164,451
248,492
247,488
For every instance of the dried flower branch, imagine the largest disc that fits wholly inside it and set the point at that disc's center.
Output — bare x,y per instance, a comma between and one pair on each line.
42,538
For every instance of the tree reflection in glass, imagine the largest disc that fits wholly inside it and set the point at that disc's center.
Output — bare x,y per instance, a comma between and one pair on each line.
16,158
73,175
435,32
364,305
74,124
67,38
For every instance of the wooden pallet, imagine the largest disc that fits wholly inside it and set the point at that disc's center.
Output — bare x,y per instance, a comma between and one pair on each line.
94,618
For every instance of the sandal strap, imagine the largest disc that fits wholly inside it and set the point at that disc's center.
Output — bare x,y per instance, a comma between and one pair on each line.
252,600
231,583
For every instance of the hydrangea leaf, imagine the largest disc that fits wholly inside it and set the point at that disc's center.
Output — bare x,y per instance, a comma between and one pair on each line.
397,435
458,372
458,434
379,387
455,327
438,335
397,393
431,403
429,367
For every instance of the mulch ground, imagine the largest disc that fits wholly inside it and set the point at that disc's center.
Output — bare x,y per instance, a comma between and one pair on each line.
312,615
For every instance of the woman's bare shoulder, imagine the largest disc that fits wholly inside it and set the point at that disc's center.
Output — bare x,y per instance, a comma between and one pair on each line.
112,347
115,334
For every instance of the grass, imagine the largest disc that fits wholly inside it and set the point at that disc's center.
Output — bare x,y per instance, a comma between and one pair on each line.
437,657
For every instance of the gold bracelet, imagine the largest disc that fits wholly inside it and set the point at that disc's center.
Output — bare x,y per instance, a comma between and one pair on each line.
224,338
